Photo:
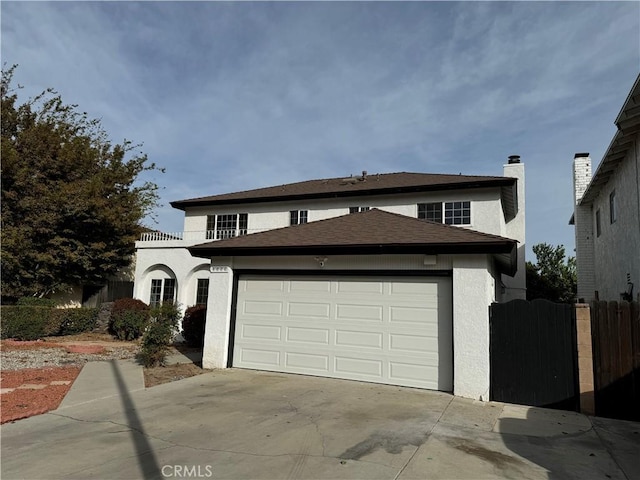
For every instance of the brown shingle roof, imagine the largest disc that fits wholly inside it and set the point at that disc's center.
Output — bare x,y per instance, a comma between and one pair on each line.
378,184
371,232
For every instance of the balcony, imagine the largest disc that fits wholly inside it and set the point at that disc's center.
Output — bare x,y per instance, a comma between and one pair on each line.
189,238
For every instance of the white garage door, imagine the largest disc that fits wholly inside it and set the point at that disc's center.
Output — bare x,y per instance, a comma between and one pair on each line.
381,329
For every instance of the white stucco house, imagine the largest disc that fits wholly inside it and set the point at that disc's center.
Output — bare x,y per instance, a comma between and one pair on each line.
384,278
607,212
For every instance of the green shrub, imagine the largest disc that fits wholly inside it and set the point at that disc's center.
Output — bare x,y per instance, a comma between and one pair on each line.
76,320
193,325
24,322
129,318
159,334
36,302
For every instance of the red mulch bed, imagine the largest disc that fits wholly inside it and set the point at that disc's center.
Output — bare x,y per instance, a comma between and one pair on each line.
28,345
22,403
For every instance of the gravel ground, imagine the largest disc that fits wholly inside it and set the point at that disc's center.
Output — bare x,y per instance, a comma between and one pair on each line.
57,357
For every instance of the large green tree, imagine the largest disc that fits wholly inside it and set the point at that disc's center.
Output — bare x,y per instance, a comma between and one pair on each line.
552,277
72,202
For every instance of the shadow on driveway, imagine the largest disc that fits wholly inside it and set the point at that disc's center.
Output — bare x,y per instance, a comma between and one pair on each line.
144,451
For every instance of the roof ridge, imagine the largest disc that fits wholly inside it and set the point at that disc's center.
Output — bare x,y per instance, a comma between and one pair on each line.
362,183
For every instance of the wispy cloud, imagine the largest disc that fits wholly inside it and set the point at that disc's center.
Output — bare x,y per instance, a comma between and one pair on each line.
232,96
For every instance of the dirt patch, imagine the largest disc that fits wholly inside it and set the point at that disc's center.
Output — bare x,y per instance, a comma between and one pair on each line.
159,375
91,337
29,392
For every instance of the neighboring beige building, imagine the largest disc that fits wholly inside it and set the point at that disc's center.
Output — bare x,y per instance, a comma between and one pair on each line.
607,212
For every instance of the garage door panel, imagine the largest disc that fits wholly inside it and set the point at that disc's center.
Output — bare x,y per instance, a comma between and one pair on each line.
386,330
259,358
413,375
320,286
359,287
346,338
413,315
371,313
262,307
261,332
422,290
355,367
308,335
264,285
412,343
302,361
306,309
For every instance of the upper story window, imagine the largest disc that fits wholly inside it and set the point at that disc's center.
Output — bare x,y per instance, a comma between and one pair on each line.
298,217
598,224
226,225
162,290
358,209
613,213
451,213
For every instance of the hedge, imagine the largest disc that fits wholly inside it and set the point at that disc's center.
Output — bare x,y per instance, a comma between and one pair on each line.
129,318
193,325
31,322
75,320
36,302
24,322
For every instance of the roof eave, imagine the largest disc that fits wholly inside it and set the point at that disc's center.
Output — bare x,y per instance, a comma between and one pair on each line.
628,124
497,247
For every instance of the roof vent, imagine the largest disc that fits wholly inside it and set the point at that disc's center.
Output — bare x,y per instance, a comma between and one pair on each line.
514,159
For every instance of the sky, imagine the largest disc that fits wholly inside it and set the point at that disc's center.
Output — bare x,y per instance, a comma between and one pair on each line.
230,96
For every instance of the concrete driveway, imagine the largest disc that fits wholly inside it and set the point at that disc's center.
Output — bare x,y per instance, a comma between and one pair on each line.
240,424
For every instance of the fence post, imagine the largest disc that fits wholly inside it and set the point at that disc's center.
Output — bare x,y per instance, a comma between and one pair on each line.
585,359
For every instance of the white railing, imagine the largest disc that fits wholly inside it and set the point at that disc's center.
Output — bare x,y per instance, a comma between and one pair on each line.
160,236
203,235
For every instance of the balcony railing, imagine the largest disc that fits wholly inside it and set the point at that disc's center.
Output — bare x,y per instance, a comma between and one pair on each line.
202,235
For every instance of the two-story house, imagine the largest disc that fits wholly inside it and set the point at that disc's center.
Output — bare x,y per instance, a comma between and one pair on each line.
607,212
383,278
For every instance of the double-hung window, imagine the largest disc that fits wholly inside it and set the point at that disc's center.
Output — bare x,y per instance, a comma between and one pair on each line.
298,217
226,225
358,209
202,291
451,213
162,290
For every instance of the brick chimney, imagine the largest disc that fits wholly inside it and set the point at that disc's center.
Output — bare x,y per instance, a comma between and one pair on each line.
581,175
583,221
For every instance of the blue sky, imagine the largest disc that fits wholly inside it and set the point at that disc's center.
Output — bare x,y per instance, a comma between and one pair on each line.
234,96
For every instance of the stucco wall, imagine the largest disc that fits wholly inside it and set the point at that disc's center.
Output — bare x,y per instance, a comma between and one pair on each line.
473,292
161,263
515,287
617,249
486,210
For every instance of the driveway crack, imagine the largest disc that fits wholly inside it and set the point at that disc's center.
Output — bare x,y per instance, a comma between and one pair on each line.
202,449
428,434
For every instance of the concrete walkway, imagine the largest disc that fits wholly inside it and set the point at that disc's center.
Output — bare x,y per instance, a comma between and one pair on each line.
100,380
246,424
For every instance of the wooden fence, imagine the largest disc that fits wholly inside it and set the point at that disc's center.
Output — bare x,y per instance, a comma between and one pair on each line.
615,333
